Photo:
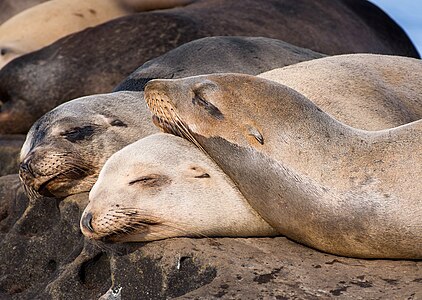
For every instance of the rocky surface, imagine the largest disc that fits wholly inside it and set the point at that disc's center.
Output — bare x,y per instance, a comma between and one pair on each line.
44,256
10,146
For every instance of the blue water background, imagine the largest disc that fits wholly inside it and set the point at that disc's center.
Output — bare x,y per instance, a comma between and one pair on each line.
408,14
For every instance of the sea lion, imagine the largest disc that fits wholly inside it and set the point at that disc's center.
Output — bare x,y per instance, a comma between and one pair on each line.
385,89
257,55
234,54
317,181
76,65
45,23
66,148
162,186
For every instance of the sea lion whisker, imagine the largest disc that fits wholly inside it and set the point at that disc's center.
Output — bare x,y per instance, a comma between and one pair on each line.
31,192
80,168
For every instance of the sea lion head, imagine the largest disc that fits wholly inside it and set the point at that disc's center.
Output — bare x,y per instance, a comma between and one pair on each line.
162,186
66,148
230,106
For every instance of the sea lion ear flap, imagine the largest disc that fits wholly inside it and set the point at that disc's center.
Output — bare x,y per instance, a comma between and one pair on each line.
198,172
255,133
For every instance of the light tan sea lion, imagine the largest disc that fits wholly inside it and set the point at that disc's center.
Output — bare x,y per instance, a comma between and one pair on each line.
65,149
384,90
318,181
162,186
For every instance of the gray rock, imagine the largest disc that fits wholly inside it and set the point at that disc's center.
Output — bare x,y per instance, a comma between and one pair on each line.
10,146
44,256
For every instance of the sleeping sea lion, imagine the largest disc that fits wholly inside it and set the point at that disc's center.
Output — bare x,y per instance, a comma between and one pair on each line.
316,180
65,149
76,65
163,186
256,55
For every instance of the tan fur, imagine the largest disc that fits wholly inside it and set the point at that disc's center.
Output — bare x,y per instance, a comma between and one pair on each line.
383,90
179,192
320,182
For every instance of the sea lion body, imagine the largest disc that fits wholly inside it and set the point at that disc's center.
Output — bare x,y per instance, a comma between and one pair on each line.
234,54
385,89
75,66
163,186
65,149
45,23
320,182
257,55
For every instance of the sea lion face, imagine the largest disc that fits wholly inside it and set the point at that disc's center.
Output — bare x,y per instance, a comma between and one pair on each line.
163,186
223,105
66,148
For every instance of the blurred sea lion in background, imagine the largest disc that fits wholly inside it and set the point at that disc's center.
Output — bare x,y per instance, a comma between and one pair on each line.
237,54
45,23
85,63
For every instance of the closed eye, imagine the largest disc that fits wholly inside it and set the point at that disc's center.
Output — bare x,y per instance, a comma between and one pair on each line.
199,100
142,180
79,133
152,180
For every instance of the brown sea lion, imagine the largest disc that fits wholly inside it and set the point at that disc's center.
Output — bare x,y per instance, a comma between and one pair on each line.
234,54
163,186
75,66
65,149
316,180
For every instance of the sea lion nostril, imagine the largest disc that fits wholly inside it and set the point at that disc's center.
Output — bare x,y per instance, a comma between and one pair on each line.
87,222
24,167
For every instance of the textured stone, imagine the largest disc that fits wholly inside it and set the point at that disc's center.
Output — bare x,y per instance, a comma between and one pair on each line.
10,146
44,256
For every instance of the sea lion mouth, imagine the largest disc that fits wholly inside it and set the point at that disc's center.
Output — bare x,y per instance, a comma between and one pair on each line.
116,225
120,234
54,185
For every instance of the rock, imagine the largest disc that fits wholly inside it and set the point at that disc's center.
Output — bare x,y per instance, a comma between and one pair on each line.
10,146
9,8
13,201
44,256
